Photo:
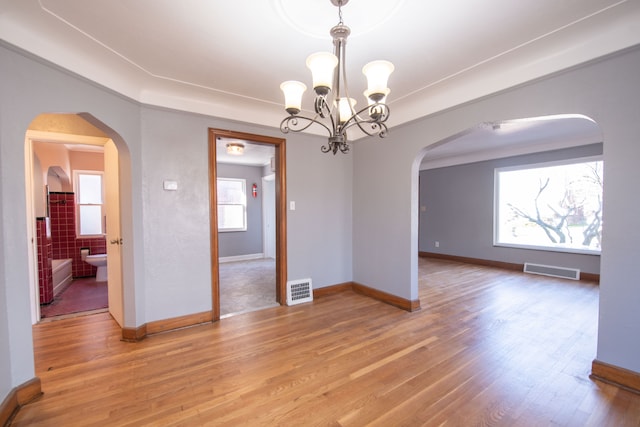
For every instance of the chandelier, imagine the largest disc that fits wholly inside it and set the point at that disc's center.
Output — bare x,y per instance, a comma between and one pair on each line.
334,108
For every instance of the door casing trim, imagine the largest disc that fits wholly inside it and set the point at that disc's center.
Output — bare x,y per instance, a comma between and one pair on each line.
281,212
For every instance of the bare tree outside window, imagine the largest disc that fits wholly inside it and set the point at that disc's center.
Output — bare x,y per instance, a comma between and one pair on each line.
557,207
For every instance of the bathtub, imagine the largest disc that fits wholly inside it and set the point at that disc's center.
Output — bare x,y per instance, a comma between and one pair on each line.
61,274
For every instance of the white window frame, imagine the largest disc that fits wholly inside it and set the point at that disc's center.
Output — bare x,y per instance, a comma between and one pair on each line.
76,184
496,205
243,204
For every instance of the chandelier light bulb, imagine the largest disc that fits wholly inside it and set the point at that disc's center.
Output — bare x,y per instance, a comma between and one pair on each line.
344,109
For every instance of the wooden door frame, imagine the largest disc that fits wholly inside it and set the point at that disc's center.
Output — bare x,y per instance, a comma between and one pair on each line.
281,212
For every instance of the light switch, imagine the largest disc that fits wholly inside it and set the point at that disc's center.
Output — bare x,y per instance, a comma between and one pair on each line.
170,185
292,206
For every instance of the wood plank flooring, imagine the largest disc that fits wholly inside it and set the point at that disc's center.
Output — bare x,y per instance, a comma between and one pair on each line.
489,347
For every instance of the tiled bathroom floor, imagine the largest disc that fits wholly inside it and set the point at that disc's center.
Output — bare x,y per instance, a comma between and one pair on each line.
83,294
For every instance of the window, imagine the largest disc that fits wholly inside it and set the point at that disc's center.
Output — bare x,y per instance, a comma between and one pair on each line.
89,202
552,206
232,204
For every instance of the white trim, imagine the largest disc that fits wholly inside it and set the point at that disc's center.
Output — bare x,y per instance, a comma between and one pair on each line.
240,258
268,216
549,248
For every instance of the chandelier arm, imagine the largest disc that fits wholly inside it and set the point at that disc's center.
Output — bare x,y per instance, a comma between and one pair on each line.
324,111
377,124
378,112
377,129
290,124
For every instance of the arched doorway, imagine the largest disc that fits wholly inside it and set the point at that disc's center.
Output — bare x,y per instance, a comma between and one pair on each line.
74,130
529,141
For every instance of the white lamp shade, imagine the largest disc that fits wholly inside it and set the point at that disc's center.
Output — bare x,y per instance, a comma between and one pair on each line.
322,66
377,73
344,109
293,91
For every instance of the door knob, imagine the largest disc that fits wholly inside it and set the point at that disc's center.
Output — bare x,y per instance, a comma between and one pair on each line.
116,241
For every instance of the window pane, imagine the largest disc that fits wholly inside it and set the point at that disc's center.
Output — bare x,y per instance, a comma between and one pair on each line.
90,219
231,191
556,206
231,217
90,189
232,201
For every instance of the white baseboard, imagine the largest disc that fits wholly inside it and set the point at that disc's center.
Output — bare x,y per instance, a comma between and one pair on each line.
240,257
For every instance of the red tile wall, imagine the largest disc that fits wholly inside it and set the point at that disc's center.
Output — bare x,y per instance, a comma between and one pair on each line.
63,232
45,255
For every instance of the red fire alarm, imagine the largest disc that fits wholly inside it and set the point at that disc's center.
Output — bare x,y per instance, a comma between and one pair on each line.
254,190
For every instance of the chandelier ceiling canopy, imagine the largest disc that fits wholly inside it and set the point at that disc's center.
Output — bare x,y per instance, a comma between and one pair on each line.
334,109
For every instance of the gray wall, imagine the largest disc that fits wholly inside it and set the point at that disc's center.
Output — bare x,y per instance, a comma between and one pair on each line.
356,216
385,190
234,243
6,365
166,254
459,212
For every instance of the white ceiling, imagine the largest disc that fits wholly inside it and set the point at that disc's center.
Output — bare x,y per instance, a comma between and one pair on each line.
254,154
228,58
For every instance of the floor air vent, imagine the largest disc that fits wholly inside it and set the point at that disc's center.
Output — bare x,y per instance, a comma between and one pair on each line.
548,270
299,291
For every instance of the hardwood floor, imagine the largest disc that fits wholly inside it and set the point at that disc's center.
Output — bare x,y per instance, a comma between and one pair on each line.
489,347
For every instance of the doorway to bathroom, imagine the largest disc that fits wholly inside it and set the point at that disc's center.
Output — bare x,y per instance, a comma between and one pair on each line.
70,232
247,205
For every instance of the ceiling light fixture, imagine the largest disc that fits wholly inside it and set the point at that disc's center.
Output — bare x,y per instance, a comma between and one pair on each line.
235,148
332,100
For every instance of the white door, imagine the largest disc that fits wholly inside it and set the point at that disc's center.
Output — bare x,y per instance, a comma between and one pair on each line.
269,216
114,240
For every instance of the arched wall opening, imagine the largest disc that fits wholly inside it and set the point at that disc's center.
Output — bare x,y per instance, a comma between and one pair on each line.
85,129
469,158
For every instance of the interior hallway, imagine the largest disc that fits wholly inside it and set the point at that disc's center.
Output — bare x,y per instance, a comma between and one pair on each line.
247,286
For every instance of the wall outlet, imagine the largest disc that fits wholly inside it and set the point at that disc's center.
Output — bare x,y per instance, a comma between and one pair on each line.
437,244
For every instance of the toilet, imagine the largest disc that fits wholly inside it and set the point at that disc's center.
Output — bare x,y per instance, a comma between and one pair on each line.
100,261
